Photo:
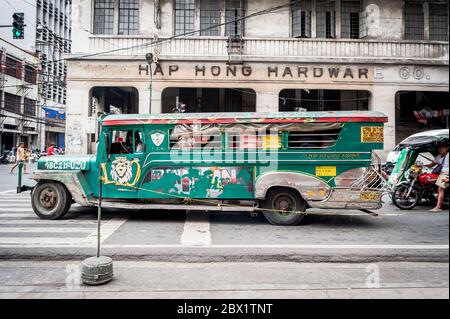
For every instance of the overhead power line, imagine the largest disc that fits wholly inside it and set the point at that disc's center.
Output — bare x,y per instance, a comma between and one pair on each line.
158,41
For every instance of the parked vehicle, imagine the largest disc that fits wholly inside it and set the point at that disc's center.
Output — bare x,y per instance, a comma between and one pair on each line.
279,164
420,137
4,159
417,187
411,180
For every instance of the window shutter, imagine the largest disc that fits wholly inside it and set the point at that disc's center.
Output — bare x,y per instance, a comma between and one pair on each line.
320,24
308,24
296,21
333,24
363,24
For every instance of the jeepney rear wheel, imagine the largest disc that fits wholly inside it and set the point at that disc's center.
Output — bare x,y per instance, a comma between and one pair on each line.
284,207
50,200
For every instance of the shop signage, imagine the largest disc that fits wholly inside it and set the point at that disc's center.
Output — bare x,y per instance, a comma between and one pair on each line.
269,71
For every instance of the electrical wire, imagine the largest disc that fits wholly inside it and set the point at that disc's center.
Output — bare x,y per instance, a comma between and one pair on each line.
185,34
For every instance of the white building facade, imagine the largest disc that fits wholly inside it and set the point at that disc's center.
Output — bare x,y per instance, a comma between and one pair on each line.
53,33
265,56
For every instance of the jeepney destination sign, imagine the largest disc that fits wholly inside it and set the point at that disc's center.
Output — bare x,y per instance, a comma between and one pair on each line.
63,163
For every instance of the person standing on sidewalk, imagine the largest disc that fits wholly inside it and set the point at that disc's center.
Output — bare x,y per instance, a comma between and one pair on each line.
51,150
21,157
442,169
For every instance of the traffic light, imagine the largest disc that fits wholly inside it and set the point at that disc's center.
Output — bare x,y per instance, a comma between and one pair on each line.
18,25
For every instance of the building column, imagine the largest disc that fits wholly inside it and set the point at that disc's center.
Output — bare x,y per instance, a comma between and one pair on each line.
313,19
144,100
338,18
266,102
383,100
41,137
426,21
77,109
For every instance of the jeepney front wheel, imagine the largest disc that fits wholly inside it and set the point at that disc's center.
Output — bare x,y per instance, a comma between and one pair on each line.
50,200
284,207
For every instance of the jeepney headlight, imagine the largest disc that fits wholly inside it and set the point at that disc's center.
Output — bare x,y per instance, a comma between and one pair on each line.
347,178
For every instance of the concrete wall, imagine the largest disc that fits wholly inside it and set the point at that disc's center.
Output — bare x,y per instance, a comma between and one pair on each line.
385,20
273,25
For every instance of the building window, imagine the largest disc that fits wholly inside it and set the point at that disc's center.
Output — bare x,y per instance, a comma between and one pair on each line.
301,19
209,17
12,103
30,75
184,16
439,22
325,19
414,21
13,68
29,107
234,14
104,16
350,19
128,16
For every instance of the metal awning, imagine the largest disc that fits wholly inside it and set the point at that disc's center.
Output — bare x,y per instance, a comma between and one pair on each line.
7,130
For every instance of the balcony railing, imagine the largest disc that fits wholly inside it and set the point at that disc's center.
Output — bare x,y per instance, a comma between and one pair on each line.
293,50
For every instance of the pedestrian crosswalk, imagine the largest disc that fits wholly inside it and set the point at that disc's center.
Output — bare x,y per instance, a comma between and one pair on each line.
21,227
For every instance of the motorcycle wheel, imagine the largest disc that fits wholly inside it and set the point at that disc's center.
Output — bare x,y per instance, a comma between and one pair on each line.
405,202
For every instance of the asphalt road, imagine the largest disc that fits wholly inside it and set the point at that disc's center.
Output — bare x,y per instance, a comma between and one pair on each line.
177,254
323,235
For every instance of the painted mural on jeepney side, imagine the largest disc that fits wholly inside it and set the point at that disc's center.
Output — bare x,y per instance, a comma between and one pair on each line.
201,182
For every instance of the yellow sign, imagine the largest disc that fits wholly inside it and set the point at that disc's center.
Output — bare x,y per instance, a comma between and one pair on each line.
271,142
325,170
372,134
369,196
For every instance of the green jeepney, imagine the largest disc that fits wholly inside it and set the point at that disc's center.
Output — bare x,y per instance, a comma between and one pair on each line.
277,163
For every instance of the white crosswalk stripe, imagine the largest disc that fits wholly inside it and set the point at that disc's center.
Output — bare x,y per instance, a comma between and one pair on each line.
20,226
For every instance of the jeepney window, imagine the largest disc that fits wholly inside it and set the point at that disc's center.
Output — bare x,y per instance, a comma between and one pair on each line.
122,142
254,140
313,139
188,137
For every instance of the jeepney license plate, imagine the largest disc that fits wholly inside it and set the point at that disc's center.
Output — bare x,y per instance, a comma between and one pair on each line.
369,196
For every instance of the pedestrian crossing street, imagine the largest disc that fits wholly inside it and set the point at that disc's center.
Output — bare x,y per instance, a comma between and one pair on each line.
21,227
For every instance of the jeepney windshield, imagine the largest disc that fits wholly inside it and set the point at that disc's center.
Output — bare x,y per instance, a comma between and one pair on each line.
126,142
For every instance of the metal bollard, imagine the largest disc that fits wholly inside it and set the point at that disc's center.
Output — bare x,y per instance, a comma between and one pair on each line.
19,182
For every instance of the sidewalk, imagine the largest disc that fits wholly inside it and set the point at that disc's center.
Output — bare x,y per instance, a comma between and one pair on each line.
149,279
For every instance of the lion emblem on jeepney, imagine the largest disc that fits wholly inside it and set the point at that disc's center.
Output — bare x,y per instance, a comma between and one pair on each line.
121,171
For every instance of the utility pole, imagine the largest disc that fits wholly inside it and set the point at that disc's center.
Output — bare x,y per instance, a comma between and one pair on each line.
149,58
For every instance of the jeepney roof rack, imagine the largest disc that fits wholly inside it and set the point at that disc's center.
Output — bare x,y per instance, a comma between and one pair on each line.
246,117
